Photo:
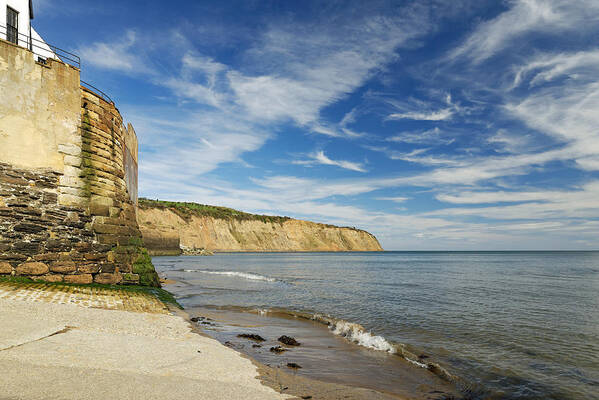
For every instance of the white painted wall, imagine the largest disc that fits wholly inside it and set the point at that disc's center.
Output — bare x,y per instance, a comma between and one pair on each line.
39,46
22,6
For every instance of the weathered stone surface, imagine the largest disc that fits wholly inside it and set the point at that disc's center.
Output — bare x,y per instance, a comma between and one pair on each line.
12,257
130,279
5,268
80,279
94,256
108,268
32,268
108,279
46,257
63,267
88,268
74,200
51,278
27,227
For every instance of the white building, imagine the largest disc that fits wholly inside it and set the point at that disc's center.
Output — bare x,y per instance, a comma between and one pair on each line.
15,27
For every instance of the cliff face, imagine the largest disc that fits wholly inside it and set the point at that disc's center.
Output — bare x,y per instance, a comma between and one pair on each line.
163,229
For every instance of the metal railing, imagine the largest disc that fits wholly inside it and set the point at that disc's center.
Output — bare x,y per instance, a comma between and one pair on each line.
97,91
42,49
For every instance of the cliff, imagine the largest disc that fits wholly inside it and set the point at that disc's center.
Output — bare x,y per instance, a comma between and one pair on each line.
166,226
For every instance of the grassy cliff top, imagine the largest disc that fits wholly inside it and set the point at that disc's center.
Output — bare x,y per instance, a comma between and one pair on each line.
185,210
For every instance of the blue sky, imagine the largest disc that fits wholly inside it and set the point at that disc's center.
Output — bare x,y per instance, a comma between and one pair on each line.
457,125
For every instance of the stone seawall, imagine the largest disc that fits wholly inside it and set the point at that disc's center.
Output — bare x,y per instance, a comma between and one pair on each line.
68,178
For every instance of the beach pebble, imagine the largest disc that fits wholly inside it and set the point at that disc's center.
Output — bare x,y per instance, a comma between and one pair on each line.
293,366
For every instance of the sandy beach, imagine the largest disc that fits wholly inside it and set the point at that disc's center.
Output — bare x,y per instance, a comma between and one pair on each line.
56,344
71,351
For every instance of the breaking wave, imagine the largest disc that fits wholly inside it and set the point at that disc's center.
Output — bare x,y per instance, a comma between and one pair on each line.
357,334
244,275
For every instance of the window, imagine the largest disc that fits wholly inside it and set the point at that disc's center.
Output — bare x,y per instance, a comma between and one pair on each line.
12,25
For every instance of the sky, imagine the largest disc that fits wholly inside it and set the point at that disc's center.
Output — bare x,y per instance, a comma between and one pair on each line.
434,125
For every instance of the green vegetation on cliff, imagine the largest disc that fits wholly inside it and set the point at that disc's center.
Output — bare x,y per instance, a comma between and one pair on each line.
186,210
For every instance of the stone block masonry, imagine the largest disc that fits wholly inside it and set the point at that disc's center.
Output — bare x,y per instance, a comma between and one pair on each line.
68,179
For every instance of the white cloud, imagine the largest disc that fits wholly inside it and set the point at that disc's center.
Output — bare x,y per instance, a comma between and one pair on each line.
429,136
311,67
419,110
549,205
292,73
178,150
194,91
399,199
550,66
511,143
500,197
438,115
525,16
320,158
119,55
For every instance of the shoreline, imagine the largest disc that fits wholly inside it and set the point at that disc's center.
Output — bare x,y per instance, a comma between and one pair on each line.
171,253
327,359
420,383
76,342
288,383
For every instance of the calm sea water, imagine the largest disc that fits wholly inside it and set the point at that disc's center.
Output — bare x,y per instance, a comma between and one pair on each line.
514,325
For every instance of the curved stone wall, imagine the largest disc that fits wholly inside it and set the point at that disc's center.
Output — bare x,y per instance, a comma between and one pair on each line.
68,178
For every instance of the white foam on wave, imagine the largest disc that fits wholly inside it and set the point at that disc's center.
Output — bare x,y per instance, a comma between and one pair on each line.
356,334
244,275
360,336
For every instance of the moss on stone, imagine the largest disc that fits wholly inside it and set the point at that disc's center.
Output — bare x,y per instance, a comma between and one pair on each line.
145,269
88,171
162,295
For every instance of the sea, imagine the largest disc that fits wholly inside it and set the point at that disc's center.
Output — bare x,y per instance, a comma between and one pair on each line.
471,325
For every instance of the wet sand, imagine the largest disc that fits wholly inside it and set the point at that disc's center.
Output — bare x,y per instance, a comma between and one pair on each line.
332,367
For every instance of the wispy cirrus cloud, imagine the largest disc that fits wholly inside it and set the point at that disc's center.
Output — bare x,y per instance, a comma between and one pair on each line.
522,18
437,115
119,55
429,136
529,115
423,111
319,158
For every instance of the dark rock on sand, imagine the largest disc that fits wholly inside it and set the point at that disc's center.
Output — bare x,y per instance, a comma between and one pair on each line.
289,341
252,336
293,366
277,349
256,345
201,319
